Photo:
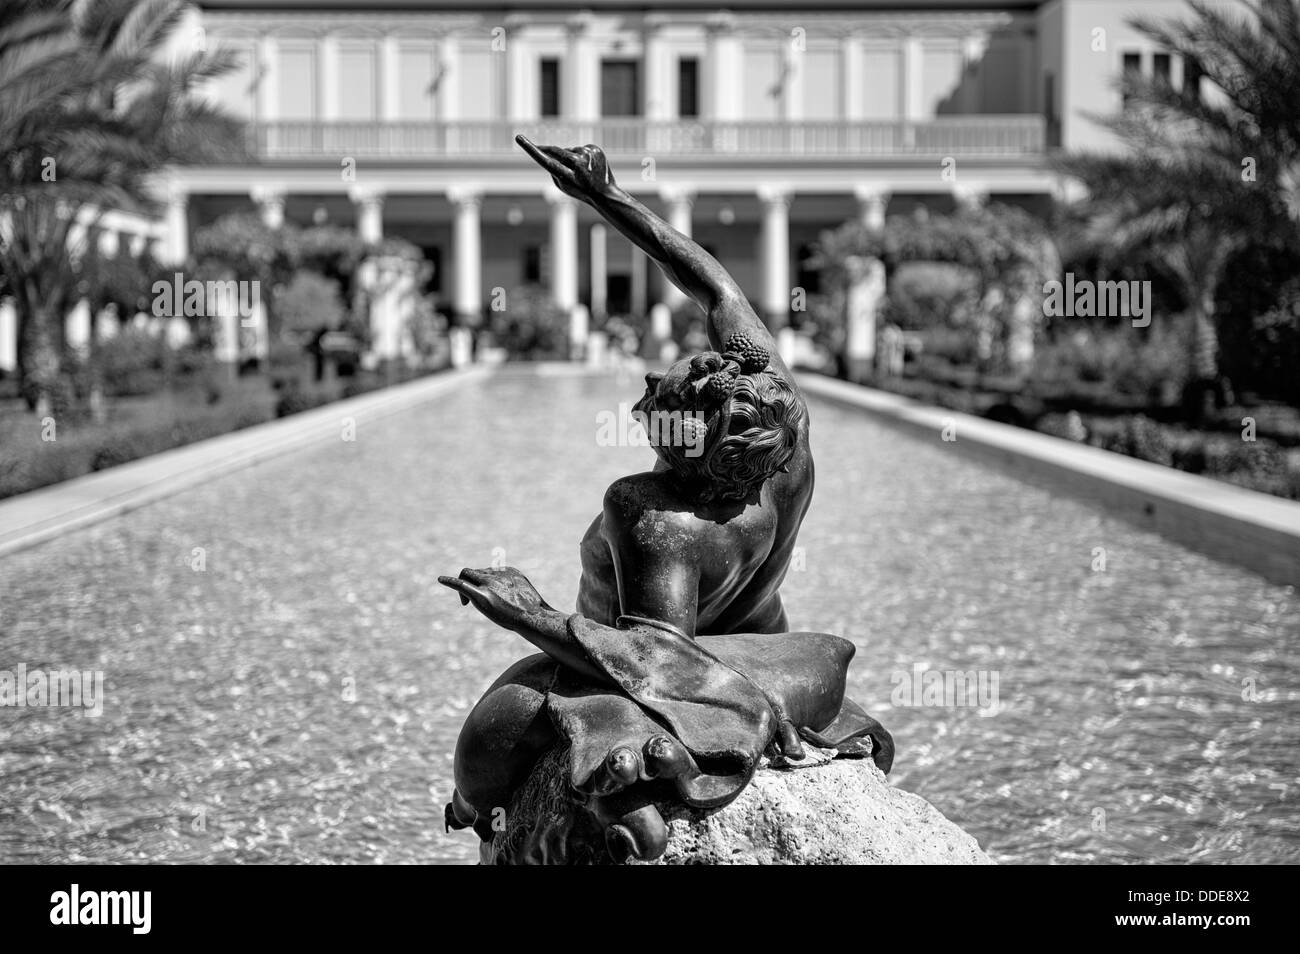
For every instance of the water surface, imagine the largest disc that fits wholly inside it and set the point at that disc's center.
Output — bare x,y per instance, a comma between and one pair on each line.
298,699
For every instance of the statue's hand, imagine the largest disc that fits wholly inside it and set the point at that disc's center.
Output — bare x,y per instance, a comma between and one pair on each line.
502,594
582,172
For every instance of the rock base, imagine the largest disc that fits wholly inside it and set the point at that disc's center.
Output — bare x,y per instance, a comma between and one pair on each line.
840,812
818,811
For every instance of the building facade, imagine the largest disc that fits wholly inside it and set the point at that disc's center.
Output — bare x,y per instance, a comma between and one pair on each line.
752,128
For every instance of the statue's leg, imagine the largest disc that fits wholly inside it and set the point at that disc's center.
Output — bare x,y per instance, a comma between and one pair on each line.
502,739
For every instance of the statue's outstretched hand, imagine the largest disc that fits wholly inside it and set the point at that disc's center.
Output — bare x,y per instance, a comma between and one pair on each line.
582,172
502,594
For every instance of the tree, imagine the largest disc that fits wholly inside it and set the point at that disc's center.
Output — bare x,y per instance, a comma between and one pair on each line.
1204,171
89,112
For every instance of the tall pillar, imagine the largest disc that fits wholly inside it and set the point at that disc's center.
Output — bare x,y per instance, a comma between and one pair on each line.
854,83
725,56
390,73
268,91
270,202
467,237
912,107
599,272
564,248
776,255
521,103
581,72
724,59
8,335
659,104
679,201
176,245
370,214
637,273
328,77
872,202
447,102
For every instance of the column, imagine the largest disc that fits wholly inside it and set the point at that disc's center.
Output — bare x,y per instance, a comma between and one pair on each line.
724,54
680,202
468,252
637,274
448,93
564,248
370,214
8,335
872,202
659,104
328,78
853,81
792,88
270,202
176,242
580,72
390,76
776,254
866,289
268,93
521,104
599,272
912,107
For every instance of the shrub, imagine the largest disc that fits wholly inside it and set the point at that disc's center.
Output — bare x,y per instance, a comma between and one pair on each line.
131,363
532,327
296,399
29,465
1135,436
309,304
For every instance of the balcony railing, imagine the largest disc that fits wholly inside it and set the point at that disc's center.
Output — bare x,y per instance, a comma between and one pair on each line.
1009,135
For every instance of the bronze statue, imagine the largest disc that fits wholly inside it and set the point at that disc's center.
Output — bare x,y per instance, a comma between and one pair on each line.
678,672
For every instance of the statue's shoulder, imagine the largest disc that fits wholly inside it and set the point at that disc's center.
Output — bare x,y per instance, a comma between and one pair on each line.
629,500
636,493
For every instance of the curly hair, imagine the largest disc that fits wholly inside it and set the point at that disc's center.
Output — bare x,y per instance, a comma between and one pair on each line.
760,439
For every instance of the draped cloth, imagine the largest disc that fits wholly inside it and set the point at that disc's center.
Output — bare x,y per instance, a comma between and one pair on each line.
721,713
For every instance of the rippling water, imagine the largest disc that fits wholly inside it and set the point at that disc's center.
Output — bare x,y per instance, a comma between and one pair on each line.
299,698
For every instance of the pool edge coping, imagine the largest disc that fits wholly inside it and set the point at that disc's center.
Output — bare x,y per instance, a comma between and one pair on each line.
1222,520
38,516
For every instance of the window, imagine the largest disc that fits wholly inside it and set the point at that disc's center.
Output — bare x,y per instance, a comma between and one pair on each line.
1132,72
1192,74
808,278
1161,65
619,90
688,87
1049,109
433,253
550,87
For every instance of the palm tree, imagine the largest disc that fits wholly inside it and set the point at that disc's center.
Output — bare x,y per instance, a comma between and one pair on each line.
1205,172
89,112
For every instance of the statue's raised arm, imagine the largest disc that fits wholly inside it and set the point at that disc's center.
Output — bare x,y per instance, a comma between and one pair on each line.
583,172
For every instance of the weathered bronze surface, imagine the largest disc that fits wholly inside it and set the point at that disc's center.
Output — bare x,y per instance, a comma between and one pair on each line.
678,671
